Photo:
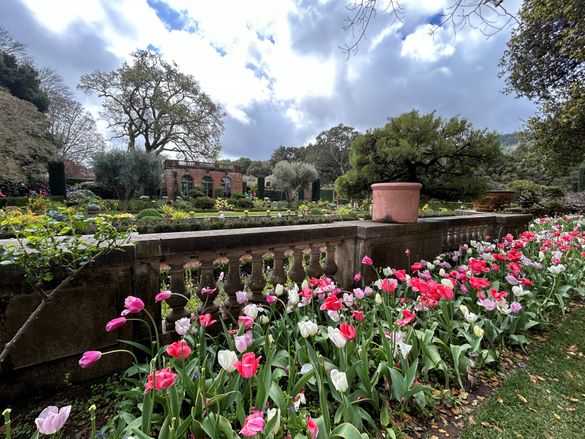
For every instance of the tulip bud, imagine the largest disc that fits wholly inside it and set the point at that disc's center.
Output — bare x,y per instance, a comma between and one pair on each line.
378,299
478,332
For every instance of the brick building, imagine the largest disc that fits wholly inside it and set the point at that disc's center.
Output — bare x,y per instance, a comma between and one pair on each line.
213,179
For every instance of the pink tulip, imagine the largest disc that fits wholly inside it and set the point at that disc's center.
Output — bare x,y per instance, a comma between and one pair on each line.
162,379
357,277
163,295
243,342
367,260
133,305
408,317
248,366
179,349
246,321
115,323
52,419
253,425
313,428
271,299
89,358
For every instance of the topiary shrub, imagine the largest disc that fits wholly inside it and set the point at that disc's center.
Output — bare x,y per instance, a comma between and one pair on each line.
204,203
82,197
149,213
244,203
237,195
232,202
195,193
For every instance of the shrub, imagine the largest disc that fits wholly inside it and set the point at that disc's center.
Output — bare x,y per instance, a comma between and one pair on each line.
82,197
195,193
204,203
149,212
221,204
238,195
244,203
150,219
232,201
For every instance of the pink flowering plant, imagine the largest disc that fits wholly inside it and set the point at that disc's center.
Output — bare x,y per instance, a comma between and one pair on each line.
316,361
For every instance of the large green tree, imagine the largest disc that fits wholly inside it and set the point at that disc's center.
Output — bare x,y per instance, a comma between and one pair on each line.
330,152
545,62
150,102
448,156
288,153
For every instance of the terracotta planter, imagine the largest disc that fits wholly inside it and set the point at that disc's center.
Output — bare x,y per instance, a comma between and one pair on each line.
493,200
395,202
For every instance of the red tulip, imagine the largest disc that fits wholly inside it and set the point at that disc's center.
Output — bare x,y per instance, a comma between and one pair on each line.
205,320
348,331
358,315
89,358
179,349
115,323
248,366
246,321
313,428
409,317
388,285
332,303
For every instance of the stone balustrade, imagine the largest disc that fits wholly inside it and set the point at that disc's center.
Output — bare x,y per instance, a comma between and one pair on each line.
74,322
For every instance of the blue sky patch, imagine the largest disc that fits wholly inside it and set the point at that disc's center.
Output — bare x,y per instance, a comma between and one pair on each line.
171,18
436,19
268,37
220,50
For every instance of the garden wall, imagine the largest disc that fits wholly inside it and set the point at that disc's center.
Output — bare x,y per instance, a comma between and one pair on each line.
46,357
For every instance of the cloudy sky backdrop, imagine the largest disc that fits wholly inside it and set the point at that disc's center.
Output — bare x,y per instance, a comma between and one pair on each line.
276,66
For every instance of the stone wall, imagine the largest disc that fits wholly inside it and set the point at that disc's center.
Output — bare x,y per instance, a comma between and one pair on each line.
46,358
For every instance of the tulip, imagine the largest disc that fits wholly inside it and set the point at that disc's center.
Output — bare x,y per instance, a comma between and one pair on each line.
279,289
248,322
293,297
163,295
52,419
243,342
163,379
89,358
179,349
248,366
205,320
253,425
477,331
367,260
241,297
378,299
388,285
332,303
313,428
270,299
348,331
336,337
308,328
518,291
357,277
358,315
182,326
133,305
251,310
464,310
470,317
515,307
227,359
115,323
339,380
408,317
387,271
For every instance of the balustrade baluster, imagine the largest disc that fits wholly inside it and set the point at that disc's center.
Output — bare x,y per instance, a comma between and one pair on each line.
297,272
278,274
257,281
232,285
176,303
314,269
207,289
330,265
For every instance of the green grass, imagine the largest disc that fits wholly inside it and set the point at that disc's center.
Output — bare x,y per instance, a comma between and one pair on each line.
547,398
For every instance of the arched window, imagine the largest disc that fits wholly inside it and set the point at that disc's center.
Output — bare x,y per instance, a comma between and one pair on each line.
226,185
207,186
186,184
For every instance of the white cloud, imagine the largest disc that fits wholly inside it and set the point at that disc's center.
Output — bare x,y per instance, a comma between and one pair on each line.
425,45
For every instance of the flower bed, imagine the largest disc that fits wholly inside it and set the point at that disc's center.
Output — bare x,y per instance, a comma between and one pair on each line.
317,362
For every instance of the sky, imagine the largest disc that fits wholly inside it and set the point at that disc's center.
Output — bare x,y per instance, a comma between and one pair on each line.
276,66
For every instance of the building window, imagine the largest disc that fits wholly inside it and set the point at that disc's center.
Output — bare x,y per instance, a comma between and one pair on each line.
207,186
226,185
186,184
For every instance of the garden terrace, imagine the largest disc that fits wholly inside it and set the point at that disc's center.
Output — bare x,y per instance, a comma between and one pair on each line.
74,321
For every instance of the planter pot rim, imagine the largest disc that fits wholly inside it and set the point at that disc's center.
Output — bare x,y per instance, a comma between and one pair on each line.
396,186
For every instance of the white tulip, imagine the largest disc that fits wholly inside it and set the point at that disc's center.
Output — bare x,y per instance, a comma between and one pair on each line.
339,380
308,328
226,360
293,297
378,299
470,317
518,291
278,290
336,337
387,271
447,283
442,272
182,325
251,310
464,310
271,414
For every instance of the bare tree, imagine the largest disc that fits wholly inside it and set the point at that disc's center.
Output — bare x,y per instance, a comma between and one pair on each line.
11,46
489,16
74,129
